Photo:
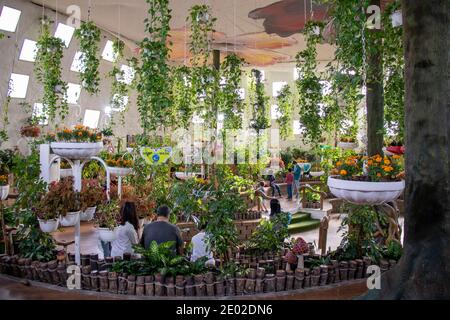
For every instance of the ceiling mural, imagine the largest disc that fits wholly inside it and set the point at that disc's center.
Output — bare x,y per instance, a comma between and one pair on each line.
263,32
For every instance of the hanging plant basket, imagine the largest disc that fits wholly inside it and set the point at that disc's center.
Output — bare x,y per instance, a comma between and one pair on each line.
365,193
30,131
70,219
48,226
76,150
4,192
347,145
106,234
88,214
120,172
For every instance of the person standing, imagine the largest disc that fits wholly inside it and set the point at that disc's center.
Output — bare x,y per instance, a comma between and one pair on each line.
297,176
126,232
289,181
162,231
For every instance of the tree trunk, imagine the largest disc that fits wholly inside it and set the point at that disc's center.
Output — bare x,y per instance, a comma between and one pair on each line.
374,93
424,269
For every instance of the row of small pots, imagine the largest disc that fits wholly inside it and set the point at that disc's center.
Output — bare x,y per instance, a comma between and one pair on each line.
69,220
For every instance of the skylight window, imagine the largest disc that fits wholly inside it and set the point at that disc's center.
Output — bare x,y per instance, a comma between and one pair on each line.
18,86
276,88
38,112
9,19
77,63
128,74
91,118
108,52
65,33
275,113
73,93
29,50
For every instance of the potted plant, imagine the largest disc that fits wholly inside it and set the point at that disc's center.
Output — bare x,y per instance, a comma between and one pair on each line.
78,143
31,129
90,196
106,220
119,164
4,185
68,201
316,170
367,180
347,143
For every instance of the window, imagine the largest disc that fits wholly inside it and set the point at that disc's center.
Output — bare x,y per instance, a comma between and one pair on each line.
73,93
298,128
91,118
77,63
65,33
38,112
128,74
276,88
28,52
275,113
108,52
9,19
18,86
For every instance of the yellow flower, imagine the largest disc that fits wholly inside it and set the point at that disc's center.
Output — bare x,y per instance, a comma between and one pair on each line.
386,161
343,172
378,159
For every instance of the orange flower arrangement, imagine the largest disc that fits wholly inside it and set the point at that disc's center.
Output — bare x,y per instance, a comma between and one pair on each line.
79,133
118,161
4,180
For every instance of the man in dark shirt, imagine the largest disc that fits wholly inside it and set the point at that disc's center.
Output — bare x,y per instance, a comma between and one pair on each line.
162,231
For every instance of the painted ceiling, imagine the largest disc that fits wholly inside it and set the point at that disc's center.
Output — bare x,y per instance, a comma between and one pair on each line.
263,32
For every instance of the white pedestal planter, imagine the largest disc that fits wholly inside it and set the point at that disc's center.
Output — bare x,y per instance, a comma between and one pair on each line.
316,173
63,173
75,150
70,219
4,192
365,193
120,172
88,214
48,226
347,145
107,235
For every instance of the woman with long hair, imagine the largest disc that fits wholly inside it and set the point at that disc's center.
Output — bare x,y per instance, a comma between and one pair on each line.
127,231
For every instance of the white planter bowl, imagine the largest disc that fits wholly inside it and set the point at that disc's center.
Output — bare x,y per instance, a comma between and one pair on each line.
70,219
4,192
316,173
120,172
366,193
88,214
48,226
76,150
347,145
63,173
107,235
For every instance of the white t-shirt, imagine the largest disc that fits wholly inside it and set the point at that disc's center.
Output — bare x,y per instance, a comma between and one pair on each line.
126,238
200,249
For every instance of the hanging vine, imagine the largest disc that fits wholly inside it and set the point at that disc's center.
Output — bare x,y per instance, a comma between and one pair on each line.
154,99
89,36
308,84
232,105
258,99
285,103
182,96
48,70
119,88
202,32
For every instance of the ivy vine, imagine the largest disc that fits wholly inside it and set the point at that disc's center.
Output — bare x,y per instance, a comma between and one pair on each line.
89,36
285,103
182,95
48,70
202,32
119,88
154,99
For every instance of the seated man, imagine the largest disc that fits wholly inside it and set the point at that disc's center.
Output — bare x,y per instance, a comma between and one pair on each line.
162,231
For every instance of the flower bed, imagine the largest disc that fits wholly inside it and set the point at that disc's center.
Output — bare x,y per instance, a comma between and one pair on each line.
97,276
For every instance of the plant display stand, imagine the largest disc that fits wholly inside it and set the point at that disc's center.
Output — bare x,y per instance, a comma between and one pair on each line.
77,155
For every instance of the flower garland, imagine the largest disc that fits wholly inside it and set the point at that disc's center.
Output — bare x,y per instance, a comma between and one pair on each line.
89,36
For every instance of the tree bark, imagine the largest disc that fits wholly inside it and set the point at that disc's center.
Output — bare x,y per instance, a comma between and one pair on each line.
374,93
424,269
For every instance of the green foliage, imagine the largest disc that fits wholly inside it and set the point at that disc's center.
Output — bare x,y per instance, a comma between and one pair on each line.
231,105
270,234
393,250
183,95
285,104
259,100
187,198
131,267
309,86
202,32
154,100
48,70
89,36
107,214
161,258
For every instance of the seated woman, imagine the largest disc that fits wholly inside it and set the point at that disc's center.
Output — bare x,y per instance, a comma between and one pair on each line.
200,248
126,232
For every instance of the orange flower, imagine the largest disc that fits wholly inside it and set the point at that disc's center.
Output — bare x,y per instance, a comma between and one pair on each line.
396,156
378,175
370,162
378,159
339,164
343,172
386,161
